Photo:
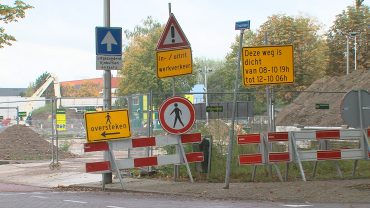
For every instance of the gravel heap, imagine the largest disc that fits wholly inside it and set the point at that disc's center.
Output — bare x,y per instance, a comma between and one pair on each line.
302,110
19,142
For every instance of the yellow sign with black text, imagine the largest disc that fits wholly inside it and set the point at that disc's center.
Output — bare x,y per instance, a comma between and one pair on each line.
268,65
106,125
61,120
174,63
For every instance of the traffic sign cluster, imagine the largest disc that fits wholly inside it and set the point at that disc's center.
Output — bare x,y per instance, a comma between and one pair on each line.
174,56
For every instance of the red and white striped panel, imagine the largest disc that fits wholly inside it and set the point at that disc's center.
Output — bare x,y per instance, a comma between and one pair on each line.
335,154
347,134
278,137
158,141
368,137
249,139
105,166
144,161
341,154
253,158
278,156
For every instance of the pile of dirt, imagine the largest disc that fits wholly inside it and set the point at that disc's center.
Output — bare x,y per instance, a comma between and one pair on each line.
19,142
302,110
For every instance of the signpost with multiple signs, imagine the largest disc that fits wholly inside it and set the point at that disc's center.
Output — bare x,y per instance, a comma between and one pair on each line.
174,55
268,65
106,125
108,48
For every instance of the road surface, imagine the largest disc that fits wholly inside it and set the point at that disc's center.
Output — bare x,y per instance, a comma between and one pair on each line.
19,196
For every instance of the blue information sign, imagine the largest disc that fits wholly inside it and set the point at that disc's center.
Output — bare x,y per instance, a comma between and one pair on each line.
241,25
108,41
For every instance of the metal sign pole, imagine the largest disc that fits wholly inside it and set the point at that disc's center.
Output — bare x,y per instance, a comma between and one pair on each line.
183,155
107,177
52,134
231,131
17,115
57,136
176,167
112,159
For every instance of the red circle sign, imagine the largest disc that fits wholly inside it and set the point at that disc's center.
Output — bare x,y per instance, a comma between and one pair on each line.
177,115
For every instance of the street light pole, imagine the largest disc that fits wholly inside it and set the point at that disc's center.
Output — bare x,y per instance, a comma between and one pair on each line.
355,52
206,90
347,54
355,35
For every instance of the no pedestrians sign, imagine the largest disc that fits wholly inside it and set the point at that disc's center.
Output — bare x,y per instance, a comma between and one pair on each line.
177,115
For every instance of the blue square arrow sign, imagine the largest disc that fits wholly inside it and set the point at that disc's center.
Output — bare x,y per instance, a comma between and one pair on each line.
108,41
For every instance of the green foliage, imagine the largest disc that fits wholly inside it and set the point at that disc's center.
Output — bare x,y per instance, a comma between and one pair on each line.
42,110
139,64
353,19
11,14
310,58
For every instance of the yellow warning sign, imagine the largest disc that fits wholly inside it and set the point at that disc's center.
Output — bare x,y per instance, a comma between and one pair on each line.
174,63
268,65
106,125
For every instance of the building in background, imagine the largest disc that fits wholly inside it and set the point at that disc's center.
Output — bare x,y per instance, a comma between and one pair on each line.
99,82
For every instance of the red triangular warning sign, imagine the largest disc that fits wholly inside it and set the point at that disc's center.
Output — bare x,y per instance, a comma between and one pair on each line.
172,36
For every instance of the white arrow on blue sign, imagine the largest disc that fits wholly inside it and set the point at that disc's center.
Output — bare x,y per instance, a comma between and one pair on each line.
108,41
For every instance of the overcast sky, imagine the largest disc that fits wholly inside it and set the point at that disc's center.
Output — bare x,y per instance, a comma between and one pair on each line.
58,36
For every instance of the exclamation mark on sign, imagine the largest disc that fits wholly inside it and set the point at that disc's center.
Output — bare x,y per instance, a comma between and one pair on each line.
173,34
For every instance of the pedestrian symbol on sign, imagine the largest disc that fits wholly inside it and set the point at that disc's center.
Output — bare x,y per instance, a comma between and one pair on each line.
178,114
108,119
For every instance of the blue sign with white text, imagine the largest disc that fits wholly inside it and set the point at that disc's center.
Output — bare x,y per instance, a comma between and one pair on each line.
242,25
108,41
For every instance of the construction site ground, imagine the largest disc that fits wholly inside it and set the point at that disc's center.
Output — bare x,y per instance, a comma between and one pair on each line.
71,176
25,159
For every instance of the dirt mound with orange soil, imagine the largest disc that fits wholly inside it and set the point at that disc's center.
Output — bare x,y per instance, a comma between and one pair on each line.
19,142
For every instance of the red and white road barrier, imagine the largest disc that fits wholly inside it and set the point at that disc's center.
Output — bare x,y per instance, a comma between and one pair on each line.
274,157
158,160
367,142
265,155
252,158
348,135
333,154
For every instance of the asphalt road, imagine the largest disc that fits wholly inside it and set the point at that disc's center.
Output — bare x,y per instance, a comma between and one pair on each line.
19,196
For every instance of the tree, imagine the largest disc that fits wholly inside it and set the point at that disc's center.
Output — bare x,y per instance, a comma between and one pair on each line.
10,14
139,64
354,21
310,50
310,56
